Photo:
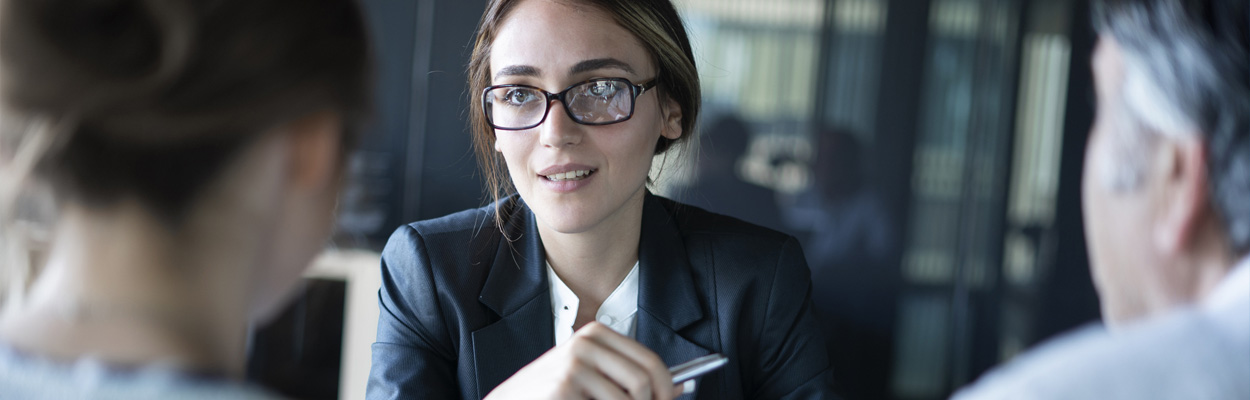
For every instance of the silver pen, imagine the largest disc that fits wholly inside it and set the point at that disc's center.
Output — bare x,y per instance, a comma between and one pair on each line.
697,367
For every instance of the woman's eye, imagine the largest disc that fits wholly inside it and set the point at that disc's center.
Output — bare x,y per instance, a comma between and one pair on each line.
518,97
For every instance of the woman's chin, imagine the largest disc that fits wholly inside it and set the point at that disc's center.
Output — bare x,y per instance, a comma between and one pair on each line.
572,215
566,225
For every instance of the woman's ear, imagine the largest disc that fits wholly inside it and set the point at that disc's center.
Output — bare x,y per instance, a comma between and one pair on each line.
671,112
314,141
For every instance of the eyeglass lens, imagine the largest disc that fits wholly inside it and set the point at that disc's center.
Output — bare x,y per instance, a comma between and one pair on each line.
595,102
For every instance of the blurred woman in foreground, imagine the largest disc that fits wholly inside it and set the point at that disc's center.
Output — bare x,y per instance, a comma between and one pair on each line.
192,151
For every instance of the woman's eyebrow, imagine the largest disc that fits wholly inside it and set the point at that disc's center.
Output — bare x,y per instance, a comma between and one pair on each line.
581,67
517,70
600,63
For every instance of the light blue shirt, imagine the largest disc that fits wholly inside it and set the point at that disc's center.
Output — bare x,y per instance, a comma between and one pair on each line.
1195,353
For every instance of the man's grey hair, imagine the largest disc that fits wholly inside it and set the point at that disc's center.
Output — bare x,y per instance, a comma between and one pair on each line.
1187,72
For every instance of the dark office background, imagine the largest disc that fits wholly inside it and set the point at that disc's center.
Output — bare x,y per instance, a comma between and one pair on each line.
927,152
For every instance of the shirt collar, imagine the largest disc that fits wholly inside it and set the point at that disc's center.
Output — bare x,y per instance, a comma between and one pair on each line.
621,304
563,300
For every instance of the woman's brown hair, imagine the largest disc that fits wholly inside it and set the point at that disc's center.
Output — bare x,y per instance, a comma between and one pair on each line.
657,26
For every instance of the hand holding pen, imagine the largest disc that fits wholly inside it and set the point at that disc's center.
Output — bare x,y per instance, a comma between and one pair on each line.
599,363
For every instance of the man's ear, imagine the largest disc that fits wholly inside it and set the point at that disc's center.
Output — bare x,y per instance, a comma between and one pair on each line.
1183,192
314,141
671,112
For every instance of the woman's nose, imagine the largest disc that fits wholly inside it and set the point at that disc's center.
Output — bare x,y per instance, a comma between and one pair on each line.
559,130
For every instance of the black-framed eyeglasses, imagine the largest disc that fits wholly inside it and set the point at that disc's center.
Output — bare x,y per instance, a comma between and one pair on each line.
599,101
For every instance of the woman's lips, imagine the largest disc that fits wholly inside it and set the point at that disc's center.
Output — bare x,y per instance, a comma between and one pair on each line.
566,178
575,175
562,168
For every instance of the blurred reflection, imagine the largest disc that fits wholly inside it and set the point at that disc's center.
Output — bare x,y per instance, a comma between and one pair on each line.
718,187
843,216
849,241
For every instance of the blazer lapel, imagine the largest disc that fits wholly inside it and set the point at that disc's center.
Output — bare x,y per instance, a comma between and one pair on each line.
515,289
668,300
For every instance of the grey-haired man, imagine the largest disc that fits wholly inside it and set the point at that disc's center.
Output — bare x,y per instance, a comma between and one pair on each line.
1166,196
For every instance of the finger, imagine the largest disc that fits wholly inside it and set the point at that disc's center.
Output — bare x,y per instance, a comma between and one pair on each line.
661,379
627,374
626,346
683,388
618,368
638,353
596,386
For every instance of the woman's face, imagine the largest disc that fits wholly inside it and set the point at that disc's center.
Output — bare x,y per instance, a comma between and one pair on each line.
552,45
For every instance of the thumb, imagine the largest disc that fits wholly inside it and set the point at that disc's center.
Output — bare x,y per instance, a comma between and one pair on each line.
686,387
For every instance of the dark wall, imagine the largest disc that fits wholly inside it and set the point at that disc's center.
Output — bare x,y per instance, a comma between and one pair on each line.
393,28
1070,299
443,171
416,161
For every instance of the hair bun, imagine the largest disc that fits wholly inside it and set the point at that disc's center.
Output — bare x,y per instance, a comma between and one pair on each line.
85,57
114,38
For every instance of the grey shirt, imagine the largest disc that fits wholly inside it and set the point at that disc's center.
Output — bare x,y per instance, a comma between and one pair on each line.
1195,353
28,377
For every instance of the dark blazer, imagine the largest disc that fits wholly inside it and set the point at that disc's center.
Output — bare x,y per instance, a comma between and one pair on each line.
462,309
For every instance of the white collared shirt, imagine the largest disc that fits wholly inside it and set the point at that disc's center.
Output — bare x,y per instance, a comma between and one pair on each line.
618,311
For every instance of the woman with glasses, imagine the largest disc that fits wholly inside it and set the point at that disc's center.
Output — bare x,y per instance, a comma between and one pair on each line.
182,159
577,282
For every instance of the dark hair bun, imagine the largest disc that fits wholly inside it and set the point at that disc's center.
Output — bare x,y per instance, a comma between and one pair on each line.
149,98
114,38
82,57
